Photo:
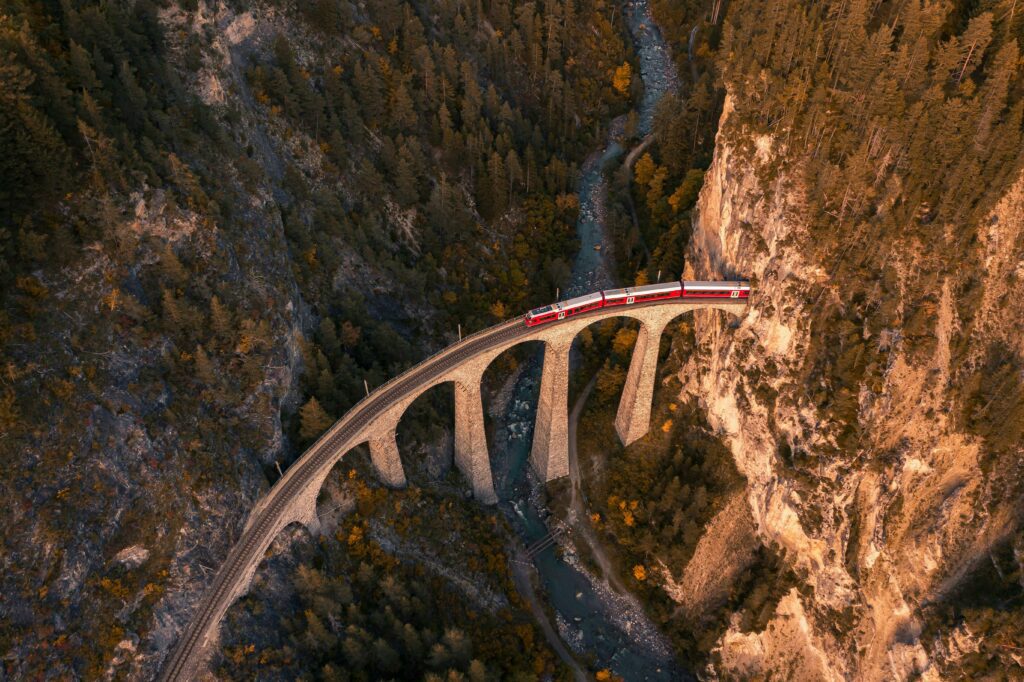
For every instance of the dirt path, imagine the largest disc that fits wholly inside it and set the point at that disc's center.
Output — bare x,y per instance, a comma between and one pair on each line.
521,576
579,519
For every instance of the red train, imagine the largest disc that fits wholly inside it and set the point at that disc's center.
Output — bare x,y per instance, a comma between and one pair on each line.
631,295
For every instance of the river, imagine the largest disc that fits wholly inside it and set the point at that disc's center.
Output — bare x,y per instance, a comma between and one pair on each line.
658,72
591,619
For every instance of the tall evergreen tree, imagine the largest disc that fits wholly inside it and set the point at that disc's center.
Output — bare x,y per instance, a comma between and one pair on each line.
314,420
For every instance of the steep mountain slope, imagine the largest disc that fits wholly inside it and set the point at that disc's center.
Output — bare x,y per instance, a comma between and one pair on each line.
873,396
213,214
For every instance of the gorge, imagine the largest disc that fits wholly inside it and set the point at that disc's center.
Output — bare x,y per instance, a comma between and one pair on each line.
223,224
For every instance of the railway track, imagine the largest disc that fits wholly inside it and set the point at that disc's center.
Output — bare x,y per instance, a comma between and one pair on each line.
340,438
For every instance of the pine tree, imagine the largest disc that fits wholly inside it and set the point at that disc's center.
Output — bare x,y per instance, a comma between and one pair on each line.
354,652
221,321
134,102
349,334
499,185
386,657
413,36
325,386
428,93
515,174
405,183
187,182
171,268
81,68
472,99
205,370
313,420
34,158
459,644
439,656
403,115
319,637
174,316
411,642
328,337
477,671
10,413
368,92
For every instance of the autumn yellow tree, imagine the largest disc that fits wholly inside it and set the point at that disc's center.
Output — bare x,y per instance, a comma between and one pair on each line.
205,370
9,412
609,381
623,342
686,194
498,310
622,78
643,170
656,187
349,334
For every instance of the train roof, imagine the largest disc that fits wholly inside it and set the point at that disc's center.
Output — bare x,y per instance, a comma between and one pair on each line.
579,300
660,288
705,286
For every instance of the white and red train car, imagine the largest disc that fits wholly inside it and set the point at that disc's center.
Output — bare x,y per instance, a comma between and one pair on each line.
643,294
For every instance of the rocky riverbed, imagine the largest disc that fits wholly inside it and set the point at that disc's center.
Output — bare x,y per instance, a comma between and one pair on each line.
591,618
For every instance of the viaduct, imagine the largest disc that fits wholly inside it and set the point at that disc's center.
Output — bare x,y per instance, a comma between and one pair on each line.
374,420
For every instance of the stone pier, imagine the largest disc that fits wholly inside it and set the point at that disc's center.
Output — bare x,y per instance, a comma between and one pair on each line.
384,454
550,452
471,456
633,418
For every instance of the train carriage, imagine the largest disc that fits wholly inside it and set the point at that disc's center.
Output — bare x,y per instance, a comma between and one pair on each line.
641,294
740,289
564,309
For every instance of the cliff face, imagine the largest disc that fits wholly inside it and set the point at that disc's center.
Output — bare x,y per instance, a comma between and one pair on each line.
889,529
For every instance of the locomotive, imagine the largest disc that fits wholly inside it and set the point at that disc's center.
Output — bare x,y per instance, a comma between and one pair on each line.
642,294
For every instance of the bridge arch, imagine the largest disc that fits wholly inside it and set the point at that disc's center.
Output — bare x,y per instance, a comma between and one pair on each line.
549,453
470,438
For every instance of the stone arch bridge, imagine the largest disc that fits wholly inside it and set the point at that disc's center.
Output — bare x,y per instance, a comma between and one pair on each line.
374,420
